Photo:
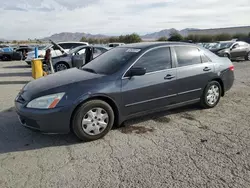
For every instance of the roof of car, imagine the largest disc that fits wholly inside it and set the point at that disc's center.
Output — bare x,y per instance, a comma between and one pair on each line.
144,45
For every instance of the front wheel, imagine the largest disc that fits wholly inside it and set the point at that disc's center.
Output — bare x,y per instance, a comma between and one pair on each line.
211,95
93,120
226,55
61,67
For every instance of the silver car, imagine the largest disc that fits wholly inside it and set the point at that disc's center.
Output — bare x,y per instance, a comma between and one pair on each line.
77,57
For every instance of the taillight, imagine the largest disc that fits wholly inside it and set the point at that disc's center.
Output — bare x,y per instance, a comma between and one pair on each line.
231,68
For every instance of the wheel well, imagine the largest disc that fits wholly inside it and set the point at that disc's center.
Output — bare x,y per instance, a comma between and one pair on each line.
221,84
105,99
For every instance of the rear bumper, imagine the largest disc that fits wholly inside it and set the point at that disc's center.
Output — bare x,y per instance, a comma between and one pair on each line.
48,121
228,80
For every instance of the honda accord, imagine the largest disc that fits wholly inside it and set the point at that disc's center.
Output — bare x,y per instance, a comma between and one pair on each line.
126,82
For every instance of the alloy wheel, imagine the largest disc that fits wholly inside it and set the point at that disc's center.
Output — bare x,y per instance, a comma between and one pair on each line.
213,94
61,67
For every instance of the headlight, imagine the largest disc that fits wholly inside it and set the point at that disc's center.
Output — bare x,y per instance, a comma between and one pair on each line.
46,102
221,51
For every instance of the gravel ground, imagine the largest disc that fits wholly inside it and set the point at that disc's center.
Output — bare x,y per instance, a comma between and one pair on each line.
187,147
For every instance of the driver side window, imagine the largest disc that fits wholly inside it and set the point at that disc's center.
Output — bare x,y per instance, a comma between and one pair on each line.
235,46
155,60
80,52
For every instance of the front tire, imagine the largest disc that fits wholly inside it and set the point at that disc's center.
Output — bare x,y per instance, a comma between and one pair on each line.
211,95
226,55
93,120
61,67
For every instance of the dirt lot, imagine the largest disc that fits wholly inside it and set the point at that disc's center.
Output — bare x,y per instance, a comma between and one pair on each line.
187,147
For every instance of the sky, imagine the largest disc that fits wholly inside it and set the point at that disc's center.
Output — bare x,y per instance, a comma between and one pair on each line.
23,19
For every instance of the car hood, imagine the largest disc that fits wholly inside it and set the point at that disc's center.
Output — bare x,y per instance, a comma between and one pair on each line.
42,86
217,49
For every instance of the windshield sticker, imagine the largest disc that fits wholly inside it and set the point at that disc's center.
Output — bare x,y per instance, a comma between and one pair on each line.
133,50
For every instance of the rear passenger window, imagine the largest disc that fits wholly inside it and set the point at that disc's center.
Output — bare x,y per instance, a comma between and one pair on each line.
204,58
155,60
187,55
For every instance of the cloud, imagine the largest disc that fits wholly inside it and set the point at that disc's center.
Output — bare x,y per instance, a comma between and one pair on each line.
40,18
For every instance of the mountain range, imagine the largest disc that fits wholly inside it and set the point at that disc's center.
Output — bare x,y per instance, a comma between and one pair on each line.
68,36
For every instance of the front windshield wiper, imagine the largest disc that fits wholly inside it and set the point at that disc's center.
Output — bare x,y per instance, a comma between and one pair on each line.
89,70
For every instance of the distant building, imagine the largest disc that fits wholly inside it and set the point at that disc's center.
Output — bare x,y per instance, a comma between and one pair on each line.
215,31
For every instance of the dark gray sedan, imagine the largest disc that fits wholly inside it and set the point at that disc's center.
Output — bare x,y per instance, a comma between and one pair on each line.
125,82
77,57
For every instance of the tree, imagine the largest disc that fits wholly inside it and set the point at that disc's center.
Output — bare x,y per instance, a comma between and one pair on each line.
223,37
239,36
206,38
175,37
162,39
84,39
133,38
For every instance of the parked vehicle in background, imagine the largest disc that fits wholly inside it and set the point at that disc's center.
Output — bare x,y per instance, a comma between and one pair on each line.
232,50
77,57
122,83
115,44
17,54
66,46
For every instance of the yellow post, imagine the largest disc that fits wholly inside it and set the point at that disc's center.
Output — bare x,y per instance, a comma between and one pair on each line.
37,68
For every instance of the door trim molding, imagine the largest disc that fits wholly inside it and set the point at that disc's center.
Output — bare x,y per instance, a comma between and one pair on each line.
164,97
190,91
150,100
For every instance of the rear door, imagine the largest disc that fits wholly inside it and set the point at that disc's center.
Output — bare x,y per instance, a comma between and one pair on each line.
156,88
194,70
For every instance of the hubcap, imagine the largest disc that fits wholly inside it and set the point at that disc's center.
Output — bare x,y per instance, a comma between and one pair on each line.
95,121
61,67
213,94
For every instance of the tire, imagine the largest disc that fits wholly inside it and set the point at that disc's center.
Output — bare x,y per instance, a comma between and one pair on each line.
61,67
214,98
247,58
88,125
226,55
6,58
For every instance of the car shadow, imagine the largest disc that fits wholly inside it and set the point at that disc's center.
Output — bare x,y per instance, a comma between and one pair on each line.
162,116
17,67
13,74
15,138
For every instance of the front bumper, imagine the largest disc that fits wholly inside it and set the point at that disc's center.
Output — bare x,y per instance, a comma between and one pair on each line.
55,120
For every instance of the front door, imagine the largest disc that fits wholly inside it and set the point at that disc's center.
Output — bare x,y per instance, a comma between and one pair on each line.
194,70
155,89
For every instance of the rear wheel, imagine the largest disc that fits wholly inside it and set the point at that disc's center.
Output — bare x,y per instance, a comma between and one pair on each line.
211,95
247,58
93,120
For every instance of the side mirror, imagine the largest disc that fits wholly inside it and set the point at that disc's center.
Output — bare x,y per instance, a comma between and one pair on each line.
136,71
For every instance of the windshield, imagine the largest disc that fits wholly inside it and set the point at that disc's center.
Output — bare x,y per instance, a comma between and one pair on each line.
111,61
74,50
47,47
223,45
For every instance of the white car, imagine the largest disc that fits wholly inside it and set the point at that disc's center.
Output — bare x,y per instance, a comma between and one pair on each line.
115,44
55,51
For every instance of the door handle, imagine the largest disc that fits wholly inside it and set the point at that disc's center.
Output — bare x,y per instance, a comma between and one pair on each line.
206,69
169,77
